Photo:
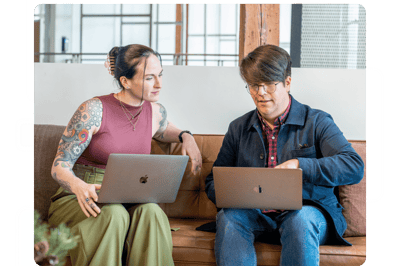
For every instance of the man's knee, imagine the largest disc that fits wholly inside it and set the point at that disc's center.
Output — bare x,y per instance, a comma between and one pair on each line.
231,217
308,220
226,216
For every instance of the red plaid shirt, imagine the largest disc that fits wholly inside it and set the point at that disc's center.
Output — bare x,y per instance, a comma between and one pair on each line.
271,135
271,141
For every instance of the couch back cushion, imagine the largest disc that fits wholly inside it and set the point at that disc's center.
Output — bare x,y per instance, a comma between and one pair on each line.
46,139
353,199
192,201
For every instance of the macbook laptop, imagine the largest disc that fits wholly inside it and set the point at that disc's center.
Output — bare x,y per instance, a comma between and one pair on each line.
142,178
258,188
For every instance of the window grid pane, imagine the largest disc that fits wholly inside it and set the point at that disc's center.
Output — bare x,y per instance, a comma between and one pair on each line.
106,26
219,34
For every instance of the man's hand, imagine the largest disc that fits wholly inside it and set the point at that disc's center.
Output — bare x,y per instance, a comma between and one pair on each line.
189,147
291,164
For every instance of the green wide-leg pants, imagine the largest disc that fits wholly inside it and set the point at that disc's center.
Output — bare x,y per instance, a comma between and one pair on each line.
137,235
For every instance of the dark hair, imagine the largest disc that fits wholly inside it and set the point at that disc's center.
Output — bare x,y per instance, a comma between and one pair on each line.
124,60
266,64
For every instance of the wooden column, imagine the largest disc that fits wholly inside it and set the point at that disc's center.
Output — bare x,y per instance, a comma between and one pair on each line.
259,25
36,40
178,32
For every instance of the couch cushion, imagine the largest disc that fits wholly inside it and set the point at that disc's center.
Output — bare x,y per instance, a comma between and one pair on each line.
192,201
353,199
46,139
197,247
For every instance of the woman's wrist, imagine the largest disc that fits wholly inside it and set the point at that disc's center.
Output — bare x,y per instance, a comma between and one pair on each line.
184,135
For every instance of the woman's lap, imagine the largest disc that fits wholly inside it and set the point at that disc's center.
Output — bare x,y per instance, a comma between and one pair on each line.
129,224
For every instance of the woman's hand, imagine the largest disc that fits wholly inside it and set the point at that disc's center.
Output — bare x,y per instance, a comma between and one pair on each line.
87,196
189,147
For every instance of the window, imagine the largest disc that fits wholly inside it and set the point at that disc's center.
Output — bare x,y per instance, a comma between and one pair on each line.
183,34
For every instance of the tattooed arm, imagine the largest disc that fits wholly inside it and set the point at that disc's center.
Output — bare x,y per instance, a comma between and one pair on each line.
165,131
160,123
77,135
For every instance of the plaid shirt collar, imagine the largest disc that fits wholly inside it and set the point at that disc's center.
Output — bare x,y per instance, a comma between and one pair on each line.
279,120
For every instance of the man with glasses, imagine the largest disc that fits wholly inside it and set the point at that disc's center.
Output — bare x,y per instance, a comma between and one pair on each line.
283,133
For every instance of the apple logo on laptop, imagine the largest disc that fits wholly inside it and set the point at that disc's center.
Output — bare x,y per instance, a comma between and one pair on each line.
257,189
143,179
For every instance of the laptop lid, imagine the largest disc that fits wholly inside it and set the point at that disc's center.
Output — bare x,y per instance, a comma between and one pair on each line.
142,178
258,188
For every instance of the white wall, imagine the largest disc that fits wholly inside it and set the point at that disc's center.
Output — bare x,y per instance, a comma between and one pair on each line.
203,99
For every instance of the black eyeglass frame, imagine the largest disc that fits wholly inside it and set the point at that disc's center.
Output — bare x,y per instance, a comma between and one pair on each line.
250,90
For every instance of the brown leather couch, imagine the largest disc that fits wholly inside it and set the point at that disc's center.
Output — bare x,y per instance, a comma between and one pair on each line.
192,208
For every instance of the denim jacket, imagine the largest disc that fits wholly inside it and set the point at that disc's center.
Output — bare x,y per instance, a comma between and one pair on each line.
309,135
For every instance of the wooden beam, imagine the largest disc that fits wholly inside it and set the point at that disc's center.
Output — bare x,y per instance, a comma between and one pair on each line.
259,25
270,24
249,29
178,31
36,41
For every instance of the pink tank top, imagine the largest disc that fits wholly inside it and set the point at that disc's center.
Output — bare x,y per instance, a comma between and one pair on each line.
116,133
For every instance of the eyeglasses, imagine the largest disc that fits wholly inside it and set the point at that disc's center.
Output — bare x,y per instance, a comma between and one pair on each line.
270,88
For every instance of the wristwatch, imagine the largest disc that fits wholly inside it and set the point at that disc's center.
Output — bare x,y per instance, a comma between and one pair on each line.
184,131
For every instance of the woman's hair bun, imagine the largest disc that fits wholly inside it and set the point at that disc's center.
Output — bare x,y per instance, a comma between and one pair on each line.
114,51
112,58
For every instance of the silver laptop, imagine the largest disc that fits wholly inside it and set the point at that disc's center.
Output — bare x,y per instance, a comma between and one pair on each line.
142,178
258,188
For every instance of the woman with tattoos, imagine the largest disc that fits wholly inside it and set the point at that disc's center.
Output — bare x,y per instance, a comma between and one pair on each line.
124,122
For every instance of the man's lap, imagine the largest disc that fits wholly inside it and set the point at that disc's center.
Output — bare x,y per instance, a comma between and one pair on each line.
268,227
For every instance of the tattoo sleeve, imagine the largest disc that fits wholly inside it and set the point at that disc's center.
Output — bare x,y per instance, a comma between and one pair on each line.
76,137
64,184
163,122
